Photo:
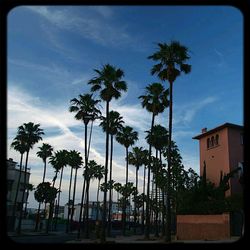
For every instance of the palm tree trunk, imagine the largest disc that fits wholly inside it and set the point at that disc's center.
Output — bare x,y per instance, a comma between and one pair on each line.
97,199
135,204
17,191
84,183
39,205
51,207
70,182
58,202
90,136
163,202
168,224
156,201
24,190
73,201
26,204
125,197
110,190
81,208
86,212
143,204
103,235
148,186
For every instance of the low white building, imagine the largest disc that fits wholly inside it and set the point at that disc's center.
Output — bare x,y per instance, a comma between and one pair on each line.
13,171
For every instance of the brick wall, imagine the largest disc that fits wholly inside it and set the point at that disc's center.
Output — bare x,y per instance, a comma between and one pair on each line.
203,227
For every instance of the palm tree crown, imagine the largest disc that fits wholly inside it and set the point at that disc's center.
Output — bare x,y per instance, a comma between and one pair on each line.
19,145
156,98
171,59
58,161
115,123
127,136
85,108
108,82
74,159
158,137
30,133
136,157
45,151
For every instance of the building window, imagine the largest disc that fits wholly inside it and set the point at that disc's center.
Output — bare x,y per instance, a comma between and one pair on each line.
217,139
208,142
212,141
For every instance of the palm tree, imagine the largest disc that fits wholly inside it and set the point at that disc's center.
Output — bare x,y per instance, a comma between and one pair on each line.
155,101
29,187
58,161
44,153
115,125
45,193
75,161
145,163
88,174
172,58
108,82
19,145
136,158
126,137
158,138
30,133
99,173
86,110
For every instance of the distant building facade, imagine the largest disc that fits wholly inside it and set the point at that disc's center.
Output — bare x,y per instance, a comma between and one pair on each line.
222,150
116,211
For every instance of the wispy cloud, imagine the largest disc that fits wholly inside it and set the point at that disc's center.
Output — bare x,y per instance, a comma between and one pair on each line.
185,114
221,61
97,28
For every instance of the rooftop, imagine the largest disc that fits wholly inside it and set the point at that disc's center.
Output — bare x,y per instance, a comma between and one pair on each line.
225,125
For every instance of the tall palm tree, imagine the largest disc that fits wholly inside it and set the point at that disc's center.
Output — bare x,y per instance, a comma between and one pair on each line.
158,138
136,158
172,61
45,152
30,133
88,174
155,101
63,154
108,82
115,125
29,187
19,145
126,137
58,161
99,173
145,163
86,110
75,161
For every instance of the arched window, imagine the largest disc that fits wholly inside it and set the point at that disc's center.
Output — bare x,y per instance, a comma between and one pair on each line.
212,141
217,139
208,142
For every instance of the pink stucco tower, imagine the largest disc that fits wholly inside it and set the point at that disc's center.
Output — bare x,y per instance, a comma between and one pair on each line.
222,150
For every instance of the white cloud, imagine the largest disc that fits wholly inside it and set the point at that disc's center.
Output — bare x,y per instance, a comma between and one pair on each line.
22,107
94,27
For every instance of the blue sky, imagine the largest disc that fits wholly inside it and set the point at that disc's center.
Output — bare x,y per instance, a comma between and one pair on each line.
52,51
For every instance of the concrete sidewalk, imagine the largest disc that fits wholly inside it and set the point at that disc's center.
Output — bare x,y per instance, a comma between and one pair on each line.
139,239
